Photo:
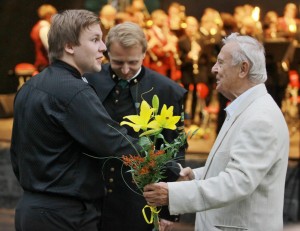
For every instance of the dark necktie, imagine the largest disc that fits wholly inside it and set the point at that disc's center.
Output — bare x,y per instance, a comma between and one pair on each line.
123,83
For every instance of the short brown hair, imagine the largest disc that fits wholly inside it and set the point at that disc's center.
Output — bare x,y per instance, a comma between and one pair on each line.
66,28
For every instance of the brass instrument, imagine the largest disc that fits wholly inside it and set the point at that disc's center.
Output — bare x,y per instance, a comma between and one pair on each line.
195,52
176,57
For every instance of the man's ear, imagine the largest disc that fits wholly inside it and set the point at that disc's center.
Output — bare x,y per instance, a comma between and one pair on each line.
244,69
69,48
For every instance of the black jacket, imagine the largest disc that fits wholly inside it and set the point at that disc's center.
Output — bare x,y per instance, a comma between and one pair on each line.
57,118
122,207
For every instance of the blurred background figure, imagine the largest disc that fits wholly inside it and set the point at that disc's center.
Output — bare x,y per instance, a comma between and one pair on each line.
139,6
193,67
122,17
211,26
39,35
238,14
176,18
279,30
270,25
250,24
138,12
288,23
229,24
107,15
162,54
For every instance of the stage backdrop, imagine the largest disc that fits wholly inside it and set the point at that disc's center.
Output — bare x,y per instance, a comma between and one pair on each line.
18,16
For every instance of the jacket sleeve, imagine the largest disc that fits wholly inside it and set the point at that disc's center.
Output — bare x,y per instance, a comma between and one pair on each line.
99,133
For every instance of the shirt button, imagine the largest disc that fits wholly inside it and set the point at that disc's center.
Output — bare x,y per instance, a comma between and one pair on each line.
112,169
110,190
116,101
117,92
111,180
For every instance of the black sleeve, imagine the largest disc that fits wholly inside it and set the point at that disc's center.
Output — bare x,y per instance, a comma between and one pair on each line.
89,124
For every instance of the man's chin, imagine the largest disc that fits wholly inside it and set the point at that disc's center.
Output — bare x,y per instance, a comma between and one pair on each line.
97,68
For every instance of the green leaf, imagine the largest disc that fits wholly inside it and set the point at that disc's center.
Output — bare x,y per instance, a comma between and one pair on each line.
145,142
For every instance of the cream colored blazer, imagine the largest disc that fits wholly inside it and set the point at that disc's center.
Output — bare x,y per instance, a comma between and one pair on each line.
241,186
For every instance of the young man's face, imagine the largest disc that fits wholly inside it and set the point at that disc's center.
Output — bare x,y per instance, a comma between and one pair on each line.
88,55
125,62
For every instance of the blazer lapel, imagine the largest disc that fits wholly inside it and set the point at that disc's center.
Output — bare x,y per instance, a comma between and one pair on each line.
258,92
223,132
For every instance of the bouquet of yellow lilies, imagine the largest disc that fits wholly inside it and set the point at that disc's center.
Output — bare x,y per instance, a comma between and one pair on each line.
150,167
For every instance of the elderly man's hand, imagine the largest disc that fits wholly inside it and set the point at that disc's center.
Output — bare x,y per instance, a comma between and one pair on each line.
157,194
186,174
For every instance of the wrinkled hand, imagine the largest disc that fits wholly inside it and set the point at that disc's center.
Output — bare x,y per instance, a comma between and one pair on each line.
157,194
165,225
186,174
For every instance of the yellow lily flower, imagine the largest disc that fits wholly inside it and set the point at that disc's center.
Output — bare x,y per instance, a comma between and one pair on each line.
141,121
165,119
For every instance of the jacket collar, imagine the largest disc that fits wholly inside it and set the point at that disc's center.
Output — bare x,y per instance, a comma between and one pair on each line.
132,82
73,70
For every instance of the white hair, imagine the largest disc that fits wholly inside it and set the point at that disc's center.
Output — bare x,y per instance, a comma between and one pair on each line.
252,51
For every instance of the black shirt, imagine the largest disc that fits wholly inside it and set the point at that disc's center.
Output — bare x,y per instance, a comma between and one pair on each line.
57,118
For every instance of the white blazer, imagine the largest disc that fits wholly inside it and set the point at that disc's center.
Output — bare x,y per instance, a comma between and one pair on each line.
241,186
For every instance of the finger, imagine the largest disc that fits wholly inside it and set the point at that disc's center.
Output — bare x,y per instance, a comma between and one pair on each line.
149,187
185,171
180,166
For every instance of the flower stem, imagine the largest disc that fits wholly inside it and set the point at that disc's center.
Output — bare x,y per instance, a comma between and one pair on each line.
156,222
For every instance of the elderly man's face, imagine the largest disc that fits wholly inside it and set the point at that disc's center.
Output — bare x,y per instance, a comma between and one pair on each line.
227,74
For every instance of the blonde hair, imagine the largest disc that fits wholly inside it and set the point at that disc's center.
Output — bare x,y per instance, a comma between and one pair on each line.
127,34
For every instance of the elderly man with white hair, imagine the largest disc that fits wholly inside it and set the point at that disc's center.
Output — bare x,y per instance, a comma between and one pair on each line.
241,186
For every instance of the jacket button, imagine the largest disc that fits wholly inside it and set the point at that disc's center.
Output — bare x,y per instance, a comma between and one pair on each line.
110,190
112,169
111,180
116,101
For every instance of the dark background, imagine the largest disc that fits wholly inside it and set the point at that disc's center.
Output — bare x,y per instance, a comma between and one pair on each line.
18,16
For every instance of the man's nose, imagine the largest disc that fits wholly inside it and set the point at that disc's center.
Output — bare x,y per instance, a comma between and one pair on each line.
214,69
102,47
125,69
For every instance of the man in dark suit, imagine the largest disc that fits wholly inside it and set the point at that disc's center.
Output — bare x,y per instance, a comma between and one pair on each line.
122,85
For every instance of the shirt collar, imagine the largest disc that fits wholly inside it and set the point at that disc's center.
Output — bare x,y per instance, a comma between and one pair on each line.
139,71
232,107
134,80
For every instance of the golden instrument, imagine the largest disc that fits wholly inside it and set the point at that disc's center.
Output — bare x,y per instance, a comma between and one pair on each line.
195,53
